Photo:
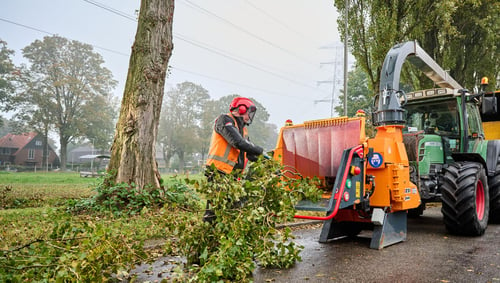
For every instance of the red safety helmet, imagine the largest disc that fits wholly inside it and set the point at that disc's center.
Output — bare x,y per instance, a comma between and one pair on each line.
243,105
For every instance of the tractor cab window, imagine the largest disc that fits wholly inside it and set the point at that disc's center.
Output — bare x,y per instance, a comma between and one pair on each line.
474,121
438,118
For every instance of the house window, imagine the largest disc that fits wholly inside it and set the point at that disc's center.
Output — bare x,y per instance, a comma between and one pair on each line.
31,154
38,143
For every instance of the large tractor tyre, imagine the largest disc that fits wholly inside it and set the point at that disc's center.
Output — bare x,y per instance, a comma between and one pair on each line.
465,199
494,186
416,212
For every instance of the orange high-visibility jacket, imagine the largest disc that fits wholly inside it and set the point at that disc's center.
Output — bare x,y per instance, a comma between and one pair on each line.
223,155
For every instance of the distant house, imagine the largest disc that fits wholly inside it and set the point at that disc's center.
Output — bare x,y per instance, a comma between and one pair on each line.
25,150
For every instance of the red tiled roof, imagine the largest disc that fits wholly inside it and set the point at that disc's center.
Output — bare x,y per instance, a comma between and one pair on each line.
16,141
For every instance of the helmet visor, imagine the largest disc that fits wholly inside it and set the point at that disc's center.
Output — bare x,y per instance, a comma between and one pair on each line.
251,113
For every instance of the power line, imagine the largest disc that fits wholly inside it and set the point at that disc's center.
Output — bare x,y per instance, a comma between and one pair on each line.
205,11
237,84
178,36
276,20
223,54
204,45
25,26
53,34
112,10
186,71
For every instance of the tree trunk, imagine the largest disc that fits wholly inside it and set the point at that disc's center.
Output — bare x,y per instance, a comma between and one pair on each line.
168,158
45,144
63,141
180,153
133,150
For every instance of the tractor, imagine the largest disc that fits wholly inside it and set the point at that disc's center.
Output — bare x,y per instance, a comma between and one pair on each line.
429,146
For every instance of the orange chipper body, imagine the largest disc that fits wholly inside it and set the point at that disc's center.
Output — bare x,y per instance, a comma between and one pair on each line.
388,163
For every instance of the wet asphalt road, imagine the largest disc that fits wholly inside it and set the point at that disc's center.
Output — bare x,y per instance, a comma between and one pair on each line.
429,254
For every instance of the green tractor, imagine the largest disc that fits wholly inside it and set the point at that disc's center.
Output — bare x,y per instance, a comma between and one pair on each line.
429,147
450,159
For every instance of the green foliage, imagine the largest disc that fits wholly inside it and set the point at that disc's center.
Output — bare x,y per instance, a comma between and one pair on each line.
79,249
6,69
128,199
247,211
460,35
48,245
360,97
65,86
182,111
102,244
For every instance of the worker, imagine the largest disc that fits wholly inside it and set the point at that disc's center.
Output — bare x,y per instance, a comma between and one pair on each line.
230,147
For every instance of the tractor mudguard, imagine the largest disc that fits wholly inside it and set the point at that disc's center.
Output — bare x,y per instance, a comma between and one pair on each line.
468,156
492,156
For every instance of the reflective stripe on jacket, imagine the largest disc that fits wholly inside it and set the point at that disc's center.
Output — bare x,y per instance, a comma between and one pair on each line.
223,155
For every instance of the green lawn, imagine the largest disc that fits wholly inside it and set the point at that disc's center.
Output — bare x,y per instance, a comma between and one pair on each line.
28,189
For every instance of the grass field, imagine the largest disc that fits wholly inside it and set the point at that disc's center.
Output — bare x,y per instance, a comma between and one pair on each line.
28,189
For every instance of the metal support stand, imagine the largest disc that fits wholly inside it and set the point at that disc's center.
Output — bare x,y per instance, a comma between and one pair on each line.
328,232
332,230
391,231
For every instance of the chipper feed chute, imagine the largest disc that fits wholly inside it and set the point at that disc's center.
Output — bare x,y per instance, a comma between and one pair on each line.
314,149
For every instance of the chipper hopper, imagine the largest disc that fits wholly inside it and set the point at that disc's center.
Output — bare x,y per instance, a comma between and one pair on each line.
366,181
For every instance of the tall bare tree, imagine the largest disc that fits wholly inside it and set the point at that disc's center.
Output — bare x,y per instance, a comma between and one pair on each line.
133,150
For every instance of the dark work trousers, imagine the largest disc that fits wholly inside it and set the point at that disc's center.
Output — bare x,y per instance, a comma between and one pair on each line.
209,215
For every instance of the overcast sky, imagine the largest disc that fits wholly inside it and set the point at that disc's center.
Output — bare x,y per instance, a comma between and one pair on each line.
272,50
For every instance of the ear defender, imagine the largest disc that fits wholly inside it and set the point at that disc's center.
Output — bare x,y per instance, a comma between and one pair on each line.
242,109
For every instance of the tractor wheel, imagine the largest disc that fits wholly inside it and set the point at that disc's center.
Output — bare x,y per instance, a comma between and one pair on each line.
494,185
465,199
416,212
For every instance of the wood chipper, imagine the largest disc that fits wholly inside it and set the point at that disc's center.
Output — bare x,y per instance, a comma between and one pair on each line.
372,183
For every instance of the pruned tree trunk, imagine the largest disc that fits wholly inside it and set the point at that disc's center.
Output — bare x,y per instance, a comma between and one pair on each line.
133,150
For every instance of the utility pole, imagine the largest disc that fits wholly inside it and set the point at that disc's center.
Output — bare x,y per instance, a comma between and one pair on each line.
92,159
346,40
333,81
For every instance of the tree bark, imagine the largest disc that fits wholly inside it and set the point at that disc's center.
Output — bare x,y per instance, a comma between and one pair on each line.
133,150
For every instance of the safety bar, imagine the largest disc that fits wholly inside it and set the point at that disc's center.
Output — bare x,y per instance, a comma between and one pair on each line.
337,195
